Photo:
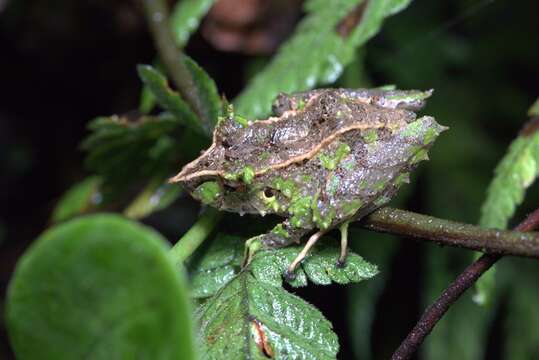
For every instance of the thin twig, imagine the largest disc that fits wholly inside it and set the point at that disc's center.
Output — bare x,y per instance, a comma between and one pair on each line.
451,233
192,239
464,281
173,58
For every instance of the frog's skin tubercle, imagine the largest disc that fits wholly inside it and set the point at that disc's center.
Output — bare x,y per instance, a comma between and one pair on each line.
327,157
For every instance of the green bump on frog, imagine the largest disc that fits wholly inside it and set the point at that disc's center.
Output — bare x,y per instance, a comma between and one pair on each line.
327,157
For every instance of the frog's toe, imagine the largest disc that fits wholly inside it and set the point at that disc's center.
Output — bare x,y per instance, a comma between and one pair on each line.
340,263
290,275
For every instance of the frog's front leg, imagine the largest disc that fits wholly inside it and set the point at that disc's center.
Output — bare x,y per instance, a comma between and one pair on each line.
281,235
341,262
290,272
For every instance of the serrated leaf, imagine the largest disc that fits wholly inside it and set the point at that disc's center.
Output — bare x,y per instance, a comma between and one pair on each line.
207,91
222,259
80,198
320,266
99,287
122,152
251,319
515,173
185,18
316,53
157,195
169,99
215,265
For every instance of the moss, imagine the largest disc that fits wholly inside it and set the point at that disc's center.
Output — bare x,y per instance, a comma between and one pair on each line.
281,231
248,174
241,120
379,185
300,211
421,155
430,136
363,184
381,201
413,129
350,208
301,104
208,192
286,187
322,221
370,136
331,162
264,156
332,185
401,179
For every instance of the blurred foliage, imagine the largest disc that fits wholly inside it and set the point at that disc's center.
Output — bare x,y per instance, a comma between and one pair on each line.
99,287
317,52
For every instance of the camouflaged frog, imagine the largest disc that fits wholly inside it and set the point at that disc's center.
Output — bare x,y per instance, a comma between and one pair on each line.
328,157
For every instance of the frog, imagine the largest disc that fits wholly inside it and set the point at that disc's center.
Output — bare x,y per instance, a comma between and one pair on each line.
325,158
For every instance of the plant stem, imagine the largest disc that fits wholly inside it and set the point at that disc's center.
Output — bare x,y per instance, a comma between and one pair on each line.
158,20
446,232
192,239
464,281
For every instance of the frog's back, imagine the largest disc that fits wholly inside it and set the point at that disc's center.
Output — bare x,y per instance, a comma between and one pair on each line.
295,136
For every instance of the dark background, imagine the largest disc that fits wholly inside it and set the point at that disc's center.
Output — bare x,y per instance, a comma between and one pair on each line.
64,62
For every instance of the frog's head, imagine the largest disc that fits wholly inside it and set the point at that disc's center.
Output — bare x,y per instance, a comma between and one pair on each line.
218,176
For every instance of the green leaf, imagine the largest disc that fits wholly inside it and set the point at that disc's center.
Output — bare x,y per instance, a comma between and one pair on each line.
251,319
214,266
99,287
185,18
207,91
123,152
515,173
169,99
316,53
319,267
534,109
80,198
157,195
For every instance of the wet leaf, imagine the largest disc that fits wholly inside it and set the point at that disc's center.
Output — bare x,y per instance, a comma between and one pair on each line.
216,265
316,53
251,319
169,99
123,152
319,267
99,287
207,91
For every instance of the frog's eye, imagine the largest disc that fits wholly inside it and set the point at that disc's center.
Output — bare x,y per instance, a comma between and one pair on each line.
269,192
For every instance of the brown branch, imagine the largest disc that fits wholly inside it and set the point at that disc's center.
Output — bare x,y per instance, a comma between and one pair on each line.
158,20
451,233
464,281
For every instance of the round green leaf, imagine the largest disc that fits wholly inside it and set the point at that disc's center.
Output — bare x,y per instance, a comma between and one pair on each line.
99,287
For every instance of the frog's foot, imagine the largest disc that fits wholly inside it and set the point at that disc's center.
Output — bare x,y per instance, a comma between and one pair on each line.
290,272
252,245
341,262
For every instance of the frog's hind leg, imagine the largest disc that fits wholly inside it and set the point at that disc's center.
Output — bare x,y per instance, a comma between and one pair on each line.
290,273
341,262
